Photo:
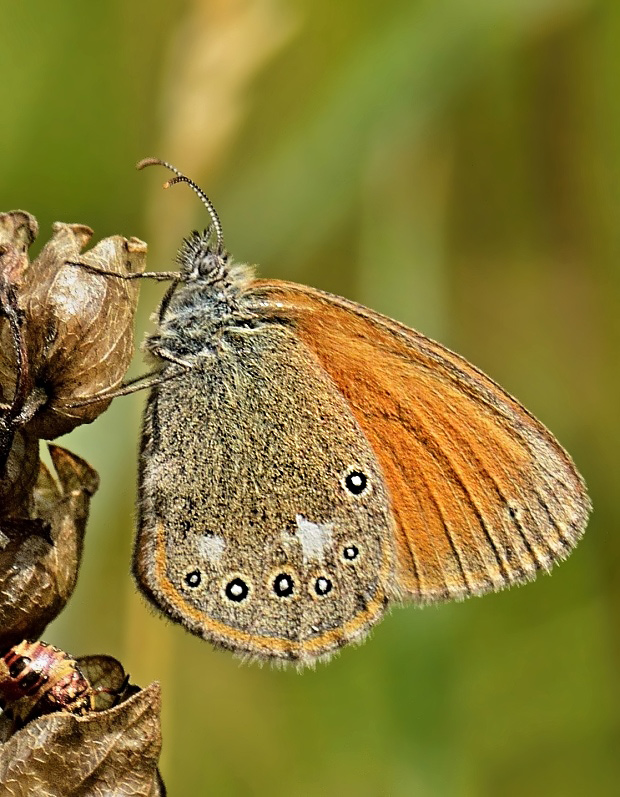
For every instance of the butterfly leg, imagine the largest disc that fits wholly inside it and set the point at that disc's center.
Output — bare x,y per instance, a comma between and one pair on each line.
142,382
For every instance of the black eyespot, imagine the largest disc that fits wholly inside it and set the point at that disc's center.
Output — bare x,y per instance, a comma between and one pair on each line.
356,482
18,666
236,590
283,585
193,579
351,552
322,586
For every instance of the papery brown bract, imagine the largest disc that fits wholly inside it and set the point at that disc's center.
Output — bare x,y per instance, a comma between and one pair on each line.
21,470
40,552
18,230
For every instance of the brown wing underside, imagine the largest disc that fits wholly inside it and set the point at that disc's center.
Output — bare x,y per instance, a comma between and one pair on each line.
483,494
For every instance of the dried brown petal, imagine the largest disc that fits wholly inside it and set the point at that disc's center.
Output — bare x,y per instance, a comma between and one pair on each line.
40,553
102,753
79,323
17,231
20,474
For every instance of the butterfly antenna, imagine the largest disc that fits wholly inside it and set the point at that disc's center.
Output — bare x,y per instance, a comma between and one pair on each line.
181,178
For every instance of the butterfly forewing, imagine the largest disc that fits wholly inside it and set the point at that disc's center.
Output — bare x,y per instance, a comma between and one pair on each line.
482,494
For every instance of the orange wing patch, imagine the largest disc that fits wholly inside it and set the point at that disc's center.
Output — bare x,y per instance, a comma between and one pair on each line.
482,493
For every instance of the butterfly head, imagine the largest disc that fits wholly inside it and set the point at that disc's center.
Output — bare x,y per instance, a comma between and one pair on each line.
202,258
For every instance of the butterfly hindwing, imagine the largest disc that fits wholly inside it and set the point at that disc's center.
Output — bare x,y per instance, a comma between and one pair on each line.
264,521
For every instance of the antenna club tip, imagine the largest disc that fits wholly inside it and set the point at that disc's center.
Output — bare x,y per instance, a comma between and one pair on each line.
148,162
167,184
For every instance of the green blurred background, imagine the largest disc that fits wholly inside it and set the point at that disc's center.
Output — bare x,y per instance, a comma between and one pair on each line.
452,163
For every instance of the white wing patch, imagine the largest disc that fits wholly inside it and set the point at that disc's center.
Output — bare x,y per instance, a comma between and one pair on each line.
313,537
211,547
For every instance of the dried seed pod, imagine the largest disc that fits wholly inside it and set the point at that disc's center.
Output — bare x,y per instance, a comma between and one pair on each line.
41,551
77,326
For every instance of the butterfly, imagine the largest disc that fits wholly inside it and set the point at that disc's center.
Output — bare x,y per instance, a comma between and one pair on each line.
306,462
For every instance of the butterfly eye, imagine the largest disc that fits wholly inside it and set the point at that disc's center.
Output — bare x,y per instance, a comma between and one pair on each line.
236,590
356,482
193,579
283,585
350,553
322,586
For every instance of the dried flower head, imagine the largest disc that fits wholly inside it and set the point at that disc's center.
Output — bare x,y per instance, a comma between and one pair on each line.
77,326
